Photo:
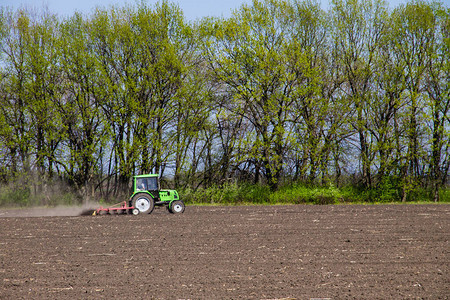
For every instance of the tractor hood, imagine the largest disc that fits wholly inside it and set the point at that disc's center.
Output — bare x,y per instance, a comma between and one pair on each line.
168,194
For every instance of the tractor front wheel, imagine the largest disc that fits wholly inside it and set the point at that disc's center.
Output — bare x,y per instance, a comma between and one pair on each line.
177,207
144,202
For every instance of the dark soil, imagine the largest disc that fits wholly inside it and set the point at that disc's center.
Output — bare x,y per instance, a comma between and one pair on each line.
248,252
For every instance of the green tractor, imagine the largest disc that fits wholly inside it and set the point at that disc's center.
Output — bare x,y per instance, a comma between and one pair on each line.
147,194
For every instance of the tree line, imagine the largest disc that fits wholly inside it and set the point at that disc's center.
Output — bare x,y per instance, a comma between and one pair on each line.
281,91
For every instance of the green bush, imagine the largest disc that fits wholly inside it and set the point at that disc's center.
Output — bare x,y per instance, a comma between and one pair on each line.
444,195
13,196
260,194
229,193
254,193
388,191
298,193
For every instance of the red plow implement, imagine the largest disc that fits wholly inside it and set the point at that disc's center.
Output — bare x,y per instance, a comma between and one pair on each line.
119,208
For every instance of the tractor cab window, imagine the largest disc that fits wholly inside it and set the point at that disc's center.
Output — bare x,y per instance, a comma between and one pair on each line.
141,184
147,184
152,184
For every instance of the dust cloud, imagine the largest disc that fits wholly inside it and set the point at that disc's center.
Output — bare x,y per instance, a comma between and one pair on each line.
58,211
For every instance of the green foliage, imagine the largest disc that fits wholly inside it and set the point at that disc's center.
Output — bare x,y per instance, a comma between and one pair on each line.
280,90
13,196
228,194
299,193
389,191
444,194
233,194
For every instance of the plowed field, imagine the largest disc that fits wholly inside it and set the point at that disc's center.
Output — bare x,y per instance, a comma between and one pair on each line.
248,252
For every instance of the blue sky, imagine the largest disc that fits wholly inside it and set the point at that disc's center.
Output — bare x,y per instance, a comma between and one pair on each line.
193,9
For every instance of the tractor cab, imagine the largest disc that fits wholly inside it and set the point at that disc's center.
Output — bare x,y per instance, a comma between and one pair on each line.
148,183
147,194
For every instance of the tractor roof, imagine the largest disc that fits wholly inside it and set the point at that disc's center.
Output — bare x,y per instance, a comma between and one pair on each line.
146,176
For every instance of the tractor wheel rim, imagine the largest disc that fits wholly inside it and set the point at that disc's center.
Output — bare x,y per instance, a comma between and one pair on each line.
142,204
177,208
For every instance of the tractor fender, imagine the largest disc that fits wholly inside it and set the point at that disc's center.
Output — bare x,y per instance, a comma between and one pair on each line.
139,192
172,201
142,192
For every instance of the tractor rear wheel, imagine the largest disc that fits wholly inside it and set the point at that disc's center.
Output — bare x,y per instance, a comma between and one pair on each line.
177,207
144,202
